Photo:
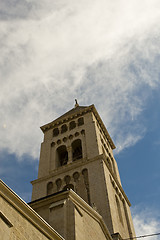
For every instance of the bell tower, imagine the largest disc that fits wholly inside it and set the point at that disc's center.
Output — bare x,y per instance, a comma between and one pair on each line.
77,154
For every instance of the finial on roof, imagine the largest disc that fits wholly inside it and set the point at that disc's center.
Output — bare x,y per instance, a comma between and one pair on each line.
76,104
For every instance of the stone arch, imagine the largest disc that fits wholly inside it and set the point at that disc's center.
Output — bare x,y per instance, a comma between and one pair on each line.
58,141
55,132
77,149
67,179
64,128
76,134
71,137
72,125
64,139
62,156
76,176
83,132
49,188
80,121
58,184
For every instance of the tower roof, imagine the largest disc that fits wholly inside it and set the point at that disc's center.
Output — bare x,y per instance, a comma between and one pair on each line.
73,113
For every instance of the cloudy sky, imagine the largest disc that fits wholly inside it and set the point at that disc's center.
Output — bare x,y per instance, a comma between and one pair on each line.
101,51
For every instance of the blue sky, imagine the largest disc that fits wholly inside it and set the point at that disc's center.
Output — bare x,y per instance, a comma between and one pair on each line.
99,52
139,165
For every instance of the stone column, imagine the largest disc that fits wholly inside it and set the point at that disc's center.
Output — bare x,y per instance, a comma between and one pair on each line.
69,150
84,150
52,157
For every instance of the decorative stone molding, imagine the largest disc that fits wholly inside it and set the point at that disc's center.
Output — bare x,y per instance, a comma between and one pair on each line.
118,191
66,138
82,111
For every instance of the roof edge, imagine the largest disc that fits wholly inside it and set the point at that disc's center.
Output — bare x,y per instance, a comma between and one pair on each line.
77,200
71,115
21,206
62,118
103,127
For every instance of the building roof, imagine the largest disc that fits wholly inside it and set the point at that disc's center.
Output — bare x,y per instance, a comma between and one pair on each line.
72,111
63,117
27,212
78,201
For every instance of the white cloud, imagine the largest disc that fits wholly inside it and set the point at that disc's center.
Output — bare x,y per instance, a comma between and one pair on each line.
97,51
146,222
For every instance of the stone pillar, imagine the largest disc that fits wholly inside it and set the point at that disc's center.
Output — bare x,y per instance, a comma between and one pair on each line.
69,150
84,150
52,157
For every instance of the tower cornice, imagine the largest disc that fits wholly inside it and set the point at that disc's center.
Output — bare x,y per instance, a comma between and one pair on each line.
74,113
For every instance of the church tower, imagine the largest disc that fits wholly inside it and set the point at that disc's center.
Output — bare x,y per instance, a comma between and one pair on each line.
77,154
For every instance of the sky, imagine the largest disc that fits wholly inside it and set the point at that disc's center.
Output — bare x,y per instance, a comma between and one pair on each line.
101,52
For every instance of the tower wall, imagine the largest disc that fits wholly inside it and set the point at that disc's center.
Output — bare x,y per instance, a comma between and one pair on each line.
77,154
85,132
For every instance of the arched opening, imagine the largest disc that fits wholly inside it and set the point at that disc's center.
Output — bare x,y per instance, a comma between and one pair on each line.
49,188
64,128
67,179
58,183
62,156
83,132
80,121
76,150
68,186
55,132
76,176
72,125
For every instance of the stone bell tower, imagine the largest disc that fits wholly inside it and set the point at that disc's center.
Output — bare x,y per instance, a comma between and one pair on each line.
77,154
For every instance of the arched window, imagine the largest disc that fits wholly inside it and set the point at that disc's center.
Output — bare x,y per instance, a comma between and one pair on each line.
62,155
55,132
76,150
49,188
67,179
83,132
58,183
64,128
72,125
119,209
69,186
80,121
76,176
